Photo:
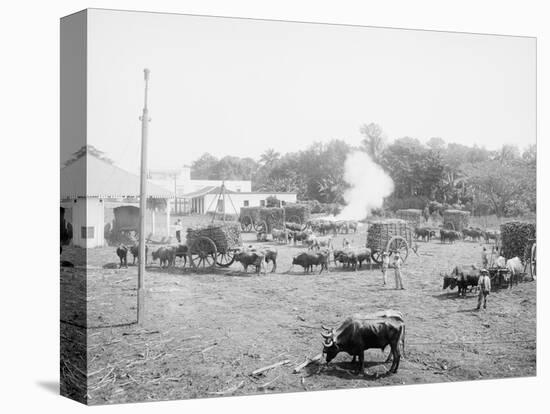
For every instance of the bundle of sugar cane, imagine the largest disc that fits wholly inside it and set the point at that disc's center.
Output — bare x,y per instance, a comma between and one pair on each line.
225,235
302,211
456,219
413,216
381,232
515,238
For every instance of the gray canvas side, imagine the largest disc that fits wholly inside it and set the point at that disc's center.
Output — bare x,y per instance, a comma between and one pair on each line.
73,96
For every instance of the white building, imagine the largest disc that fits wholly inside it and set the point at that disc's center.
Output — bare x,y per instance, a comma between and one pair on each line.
91,189
210,199
201,196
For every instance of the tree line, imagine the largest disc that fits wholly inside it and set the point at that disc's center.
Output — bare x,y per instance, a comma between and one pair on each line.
501,182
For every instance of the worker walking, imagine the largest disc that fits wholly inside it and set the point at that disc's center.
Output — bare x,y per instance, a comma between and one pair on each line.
179,228
484,283
397,263
385,265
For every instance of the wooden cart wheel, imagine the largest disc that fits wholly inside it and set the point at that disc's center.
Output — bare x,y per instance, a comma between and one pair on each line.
202,253
533,261
225,259
260,226
376,256
398,244
246,224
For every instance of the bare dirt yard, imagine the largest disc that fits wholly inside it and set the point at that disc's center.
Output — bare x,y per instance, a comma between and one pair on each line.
205,333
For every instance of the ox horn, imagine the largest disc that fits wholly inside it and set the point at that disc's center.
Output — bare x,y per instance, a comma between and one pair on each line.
329,343
325,328
326,335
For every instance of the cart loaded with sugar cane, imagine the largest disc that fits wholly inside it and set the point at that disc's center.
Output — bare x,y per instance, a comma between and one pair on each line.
265,219
216,243
392,236
213,245
518,239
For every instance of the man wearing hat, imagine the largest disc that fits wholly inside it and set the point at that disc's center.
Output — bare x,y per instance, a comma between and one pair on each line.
484,284
385,265
397,263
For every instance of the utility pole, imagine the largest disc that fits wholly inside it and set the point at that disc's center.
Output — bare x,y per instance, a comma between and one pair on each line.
143,204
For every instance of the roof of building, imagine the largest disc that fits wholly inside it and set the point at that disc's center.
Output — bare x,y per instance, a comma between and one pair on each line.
217,189
92,177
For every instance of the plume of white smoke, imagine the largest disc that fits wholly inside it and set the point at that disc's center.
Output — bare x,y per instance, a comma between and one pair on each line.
369,185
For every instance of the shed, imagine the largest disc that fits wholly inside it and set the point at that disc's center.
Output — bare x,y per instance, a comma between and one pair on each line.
92,188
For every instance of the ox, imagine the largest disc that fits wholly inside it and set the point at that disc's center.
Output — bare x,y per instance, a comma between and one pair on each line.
515,269
165,255
135,253
122,253
359,333
309,259
449,235
424,233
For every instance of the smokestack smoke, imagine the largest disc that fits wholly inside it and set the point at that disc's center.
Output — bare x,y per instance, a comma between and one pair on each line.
369,185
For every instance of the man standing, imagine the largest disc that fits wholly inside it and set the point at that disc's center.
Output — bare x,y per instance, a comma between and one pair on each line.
397,263
484,258
385,265
484,283
178,230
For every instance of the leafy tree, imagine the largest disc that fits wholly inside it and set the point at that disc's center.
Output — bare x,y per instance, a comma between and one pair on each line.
374,140
502,182
204,167
415,169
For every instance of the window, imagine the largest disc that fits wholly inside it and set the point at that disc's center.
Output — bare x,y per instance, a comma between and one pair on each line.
87,232
246,203
262,203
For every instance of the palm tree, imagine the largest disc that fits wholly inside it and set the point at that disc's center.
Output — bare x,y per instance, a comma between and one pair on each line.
269,157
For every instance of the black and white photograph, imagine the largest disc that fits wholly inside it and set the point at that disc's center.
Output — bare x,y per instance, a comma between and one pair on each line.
254,206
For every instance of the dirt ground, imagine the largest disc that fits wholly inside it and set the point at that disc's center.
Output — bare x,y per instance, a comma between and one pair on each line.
205,334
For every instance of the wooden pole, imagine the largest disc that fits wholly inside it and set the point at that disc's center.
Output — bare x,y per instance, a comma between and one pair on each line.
143,204
223,201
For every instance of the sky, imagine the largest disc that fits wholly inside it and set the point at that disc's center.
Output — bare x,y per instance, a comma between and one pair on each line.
238,86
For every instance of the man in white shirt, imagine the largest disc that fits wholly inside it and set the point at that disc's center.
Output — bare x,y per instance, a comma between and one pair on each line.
179,228
484,284
397,263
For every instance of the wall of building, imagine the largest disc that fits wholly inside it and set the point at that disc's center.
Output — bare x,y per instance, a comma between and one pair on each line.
185,185
236,201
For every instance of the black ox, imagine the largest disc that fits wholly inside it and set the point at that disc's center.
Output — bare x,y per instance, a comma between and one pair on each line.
359,333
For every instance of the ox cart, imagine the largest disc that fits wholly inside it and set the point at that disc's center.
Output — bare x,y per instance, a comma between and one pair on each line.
265,219
499,276
213,245
392,236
